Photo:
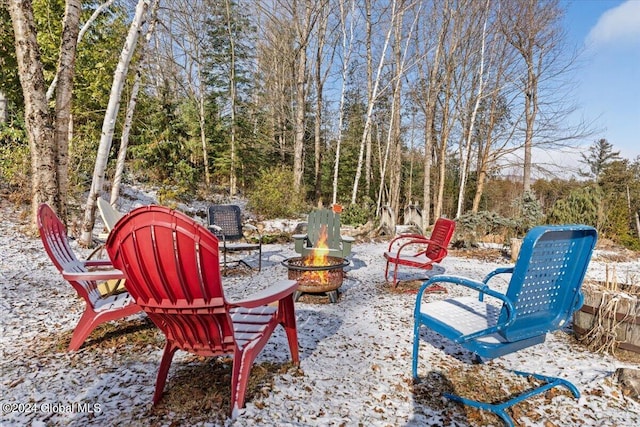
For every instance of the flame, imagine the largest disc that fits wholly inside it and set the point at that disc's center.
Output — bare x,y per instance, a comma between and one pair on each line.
318,258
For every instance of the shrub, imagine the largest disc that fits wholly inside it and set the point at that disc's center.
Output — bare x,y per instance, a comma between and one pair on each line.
581,206
472,227
15,162
358,213
273,195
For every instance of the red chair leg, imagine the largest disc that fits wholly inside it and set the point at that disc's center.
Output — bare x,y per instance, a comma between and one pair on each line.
165,364
289,324
242,361
85,326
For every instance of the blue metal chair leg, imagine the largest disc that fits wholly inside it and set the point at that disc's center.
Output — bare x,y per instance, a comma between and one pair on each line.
416,348
500,409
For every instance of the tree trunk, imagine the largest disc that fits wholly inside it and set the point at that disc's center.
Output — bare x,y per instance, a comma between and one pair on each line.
233,175
369,117
303,29
124,141
85,27
110,117
128,120
467,148
319,83
38,120
66,71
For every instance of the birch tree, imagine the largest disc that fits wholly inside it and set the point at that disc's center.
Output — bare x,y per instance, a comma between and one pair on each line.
347,24
48,135
371,102
109,122
466,150
131,106
429,87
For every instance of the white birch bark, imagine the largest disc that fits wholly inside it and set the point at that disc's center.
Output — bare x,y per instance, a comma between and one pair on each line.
347,48
374,94
128,119
467,147
109,122
85,27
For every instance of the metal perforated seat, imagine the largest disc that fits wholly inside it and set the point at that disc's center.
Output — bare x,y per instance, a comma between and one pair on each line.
543,293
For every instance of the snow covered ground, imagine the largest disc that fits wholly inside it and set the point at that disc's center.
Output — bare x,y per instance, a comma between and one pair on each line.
355,355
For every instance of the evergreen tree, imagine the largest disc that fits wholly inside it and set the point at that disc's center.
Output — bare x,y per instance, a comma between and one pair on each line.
600,155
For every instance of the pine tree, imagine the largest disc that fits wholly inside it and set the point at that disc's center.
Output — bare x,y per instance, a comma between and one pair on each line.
600,155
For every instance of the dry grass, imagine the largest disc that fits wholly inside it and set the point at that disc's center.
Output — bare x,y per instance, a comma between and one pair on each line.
485,383
200,389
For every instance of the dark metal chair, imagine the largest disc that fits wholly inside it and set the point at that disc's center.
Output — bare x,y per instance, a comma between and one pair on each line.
225,222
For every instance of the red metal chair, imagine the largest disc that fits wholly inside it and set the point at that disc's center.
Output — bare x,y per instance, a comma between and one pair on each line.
173,271
99,308
418,251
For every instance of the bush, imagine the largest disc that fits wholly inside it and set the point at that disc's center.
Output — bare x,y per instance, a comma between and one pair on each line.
581,206
15,162
472,227
530,211
358,213
273,195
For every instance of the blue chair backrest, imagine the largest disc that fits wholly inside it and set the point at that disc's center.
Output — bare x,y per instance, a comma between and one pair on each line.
546,283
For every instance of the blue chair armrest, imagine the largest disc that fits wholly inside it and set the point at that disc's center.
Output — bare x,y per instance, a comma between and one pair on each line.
500,270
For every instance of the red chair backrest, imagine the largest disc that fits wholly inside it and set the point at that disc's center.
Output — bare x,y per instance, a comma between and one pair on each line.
173,273
441,234
56,243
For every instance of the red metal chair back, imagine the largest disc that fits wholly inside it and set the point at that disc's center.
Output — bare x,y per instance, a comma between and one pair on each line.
441,236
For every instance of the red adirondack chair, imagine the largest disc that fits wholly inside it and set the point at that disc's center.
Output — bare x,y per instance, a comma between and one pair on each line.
173,271
418,251
99,308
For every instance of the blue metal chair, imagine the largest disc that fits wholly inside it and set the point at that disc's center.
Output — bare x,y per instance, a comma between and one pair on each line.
543,293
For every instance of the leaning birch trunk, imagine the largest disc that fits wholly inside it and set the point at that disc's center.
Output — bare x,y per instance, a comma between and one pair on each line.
467,148
128,119
124,141
369,118
109,121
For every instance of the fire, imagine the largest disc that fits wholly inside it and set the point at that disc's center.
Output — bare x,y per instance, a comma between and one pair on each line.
318,258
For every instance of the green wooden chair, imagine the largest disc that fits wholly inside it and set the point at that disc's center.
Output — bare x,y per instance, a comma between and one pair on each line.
339,246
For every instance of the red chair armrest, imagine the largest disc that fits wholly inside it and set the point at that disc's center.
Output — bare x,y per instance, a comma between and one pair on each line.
266,296
93,275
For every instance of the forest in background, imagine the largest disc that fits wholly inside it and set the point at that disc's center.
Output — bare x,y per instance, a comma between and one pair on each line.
441,104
